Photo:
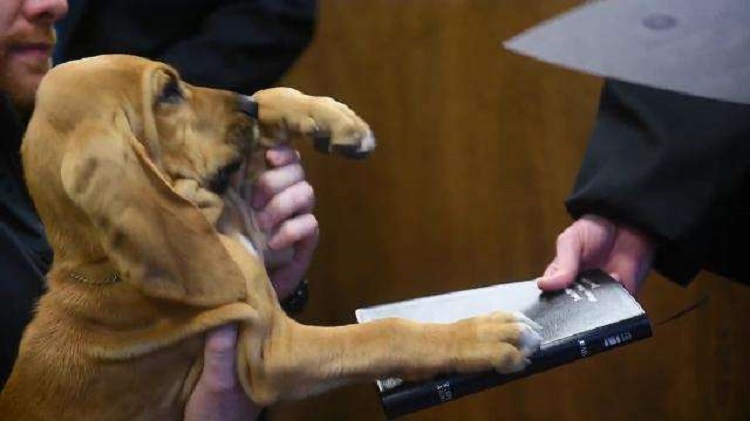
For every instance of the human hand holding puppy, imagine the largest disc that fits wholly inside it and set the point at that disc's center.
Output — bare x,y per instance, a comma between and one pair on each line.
284,201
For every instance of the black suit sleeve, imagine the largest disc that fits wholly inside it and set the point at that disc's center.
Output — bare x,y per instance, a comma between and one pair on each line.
239,45
244,45
674,166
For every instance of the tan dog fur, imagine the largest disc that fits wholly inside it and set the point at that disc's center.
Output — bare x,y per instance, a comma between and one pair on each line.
120,179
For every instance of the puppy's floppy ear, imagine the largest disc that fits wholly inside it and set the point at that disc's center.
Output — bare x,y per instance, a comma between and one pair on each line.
158,240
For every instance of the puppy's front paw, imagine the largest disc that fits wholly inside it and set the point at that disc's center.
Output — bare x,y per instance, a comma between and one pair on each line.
340,130
332,126
500,341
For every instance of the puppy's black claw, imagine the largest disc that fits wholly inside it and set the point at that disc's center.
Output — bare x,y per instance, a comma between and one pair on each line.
248,106
322,142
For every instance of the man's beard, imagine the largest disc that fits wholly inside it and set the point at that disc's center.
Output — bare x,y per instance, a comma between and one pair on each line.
22,90
20,80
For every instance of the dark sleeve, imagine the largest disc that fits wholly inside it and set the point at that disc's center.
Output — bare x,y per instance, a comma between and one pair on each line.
239,45
21,284
674,166
245,45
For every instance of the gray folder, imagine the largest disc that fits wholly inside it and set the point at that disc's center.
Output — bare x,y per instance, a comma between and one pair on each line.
697,47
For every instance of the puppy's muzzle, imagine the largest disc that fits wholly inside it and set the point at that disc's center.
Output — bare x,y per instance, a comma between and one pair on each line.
220,182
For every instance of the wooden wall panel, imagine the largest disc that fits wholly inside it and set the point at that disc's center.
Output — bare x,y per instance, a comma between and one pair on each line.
477,151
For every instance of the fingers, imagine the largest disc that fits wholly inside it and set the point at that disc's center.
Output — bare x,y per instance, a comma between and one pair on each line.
595,242
285,171
294,230
285,201
286,278
282,191
274,181
583,245
294,200
282,243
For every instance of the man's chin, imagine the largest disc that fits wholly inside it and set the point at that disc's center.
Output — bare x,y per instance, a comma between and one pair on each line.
22,90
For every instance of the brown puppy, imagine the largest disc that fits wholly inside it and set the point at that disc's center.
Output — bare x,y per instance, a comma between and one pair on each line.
137,177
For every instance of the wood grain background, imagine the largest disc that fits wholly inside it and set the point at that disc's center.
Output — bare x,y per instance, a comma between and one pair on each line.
477,150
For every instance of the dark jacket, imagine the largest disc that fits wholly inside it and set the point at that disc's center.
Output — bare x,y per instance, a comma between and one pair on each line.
240,45
675,166
25,255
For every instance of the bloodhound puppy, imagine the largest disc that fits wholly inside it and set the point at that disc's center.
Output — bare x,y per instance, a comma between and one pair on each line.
138,178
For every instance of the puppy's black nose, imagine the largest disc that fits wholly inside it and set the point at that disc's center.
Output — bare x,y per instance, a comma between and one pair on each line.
247,106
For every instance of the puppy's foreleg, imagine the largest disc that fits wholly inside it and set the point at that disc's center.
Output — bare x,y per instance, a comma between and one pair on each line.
298,361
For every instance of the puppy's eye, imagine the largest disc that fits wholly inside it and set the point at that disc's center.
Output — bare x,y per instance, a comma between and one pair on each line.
171,93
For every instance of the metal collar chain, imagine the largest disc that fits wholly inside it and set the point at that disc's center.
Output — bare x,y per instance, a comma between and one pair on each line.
112,279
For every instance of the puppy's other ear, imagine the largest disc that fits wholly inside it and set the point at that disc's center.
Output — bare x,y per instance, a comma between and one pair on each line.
159,241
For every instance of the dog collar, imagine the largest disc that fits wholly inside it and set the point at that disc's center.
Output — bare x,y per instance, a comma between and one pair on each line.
112,279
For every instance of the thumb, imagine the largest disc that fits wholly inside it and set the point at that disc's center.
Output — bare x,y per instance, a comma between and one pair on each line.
564,267
219,359
218,396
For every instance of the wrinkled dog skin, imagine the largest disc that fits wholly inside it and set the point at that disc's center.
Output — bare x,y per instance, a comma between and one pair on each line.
138,178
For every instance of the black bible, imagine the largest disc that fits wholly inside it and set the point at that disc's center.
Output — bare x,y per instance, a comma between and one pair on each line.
593,315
